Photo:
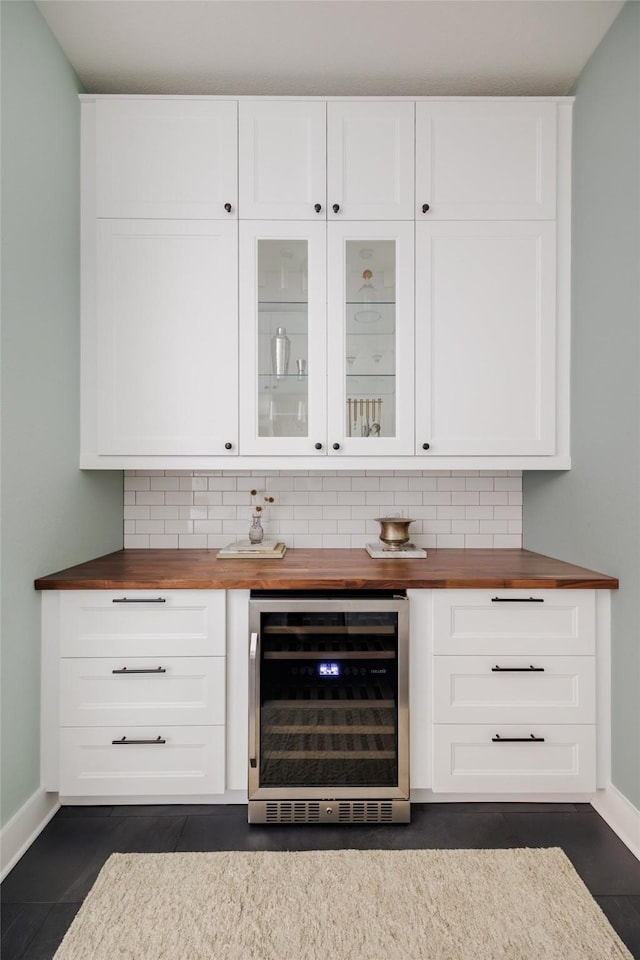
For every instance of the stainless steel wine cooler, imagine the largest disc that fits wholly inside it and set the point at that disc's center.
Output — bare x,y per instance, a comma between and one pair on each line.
328,708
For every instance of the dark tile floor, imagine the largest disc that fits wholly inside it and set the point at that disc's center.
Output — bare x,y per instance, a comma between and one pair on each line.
43,892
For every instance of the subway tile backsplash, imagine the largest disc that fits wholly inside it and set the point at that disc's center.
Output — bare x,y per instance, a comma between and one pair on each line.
208,508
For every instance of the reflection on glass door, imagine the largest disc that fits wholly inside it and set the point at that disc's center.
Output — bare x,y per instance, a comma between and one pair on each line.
283,327
370,341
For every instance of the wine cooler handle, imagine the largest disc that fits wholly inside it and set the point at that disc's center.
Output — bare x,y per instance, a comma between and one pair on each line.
253,686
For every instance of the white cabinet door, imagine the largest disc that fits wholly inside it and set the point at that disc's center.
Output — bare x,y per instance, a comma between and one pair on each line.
486,338
344,391
166,345
370,339
153,761
142,623
177,691
488,161
283,295
370,160
534,689
166,158
503,758
282,160
522,623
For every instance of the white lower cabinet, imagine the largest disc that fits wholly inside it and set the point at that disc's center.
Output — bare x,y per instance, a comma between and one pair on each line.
547,690
513,691
514,622
140,761
140,704
168,690
508,758
503,692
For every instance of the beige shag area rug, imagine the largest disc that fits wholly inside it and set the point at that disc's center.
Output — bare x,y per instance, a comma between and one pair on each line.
341,905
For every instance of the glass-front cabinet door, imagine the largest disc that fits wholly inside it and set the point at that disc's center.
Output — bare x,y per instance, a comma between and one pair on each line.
370,339
283,346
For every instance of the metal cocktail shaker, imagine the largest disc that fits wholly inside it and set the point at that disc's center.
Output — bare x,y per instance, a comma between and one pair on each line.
280,350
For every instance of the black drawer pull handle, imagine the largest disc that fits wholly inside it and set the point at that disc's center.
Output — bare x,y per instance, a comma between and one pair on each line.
517,599
139,600
317,207
150,670
126,743
425,207
228,207
530,739
336,208
528,669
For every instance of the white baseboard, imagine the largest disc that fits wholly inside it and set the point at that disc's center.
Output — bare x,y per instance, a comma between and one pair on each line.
620,814
19,833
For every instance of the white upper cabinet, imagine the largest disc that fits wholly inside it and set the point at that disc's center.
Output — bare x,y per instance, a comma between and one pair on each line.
166,158
282,160
408,262
160,366
485,338
370,160
310,160
491,160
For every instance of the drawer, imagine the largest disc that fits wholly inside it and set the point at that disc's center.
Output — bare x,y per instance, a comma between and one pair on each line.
142,623
180,690
506,690
467,759
498,622
190,761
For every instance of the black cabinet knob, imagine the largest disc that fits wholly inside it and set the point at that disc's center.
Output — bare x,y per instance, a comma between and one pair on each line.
227,207
318,446
425,446
336,446
317,207
336,208
425,207
228,446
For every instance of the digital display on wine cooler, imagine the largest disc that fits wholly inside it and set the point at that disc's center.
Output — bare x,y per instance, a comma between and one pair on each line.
329,669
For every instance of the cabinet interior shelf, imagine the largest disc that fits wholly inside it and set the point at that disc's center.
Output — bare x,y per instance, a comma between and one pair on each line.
298,304
293,377
282,306
370,306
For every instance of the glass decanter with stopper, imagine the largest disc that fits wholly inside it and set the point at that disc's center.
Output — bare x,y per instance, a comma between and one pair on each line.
256,530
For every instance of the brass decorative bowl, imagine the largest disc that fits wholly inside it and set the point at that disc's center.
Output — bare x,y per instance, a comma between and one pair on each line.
394,531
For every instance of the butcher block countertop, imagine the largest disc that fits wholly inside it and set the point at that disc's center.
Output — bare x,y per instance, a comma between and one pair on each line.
311,569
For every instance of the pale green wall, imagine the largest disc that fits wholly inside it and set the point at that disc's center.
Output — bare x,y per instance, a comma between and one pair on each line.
591,515
53,515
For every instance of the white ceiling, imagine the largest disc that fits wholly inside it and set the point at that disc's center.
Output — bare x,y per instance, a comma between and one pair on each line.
330,47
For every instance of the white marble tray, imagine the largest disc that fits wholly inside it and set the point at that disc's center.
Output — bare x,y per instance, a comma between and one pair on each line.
378,552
